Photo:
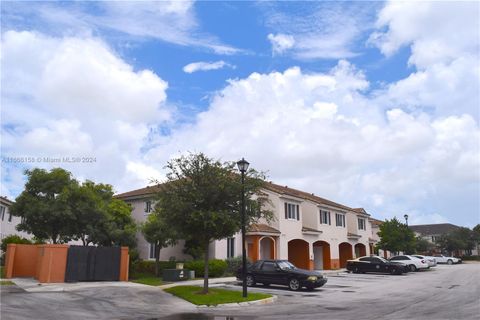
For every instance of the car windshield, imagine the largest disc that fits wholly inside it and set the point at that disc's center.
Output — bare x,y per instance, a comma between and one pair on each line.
285,265
382,259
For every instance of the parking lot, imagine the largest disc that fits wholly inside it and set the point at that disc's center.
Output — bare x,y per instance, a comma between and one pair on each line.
444,292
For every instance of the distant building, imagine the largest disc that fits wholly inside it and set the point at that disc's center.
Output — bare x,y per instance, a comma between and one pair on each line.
433,232
8,222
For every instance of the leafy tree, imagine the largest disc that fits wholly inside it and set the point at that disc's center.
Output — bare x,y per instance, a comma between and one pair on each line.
396,236
201,200
117,227
456,240
158,232
193,248
476,236
43,205
423,245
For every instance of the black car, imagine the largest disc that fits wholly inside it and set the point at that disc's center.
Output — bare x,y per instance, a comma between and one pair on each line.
282,272
375,264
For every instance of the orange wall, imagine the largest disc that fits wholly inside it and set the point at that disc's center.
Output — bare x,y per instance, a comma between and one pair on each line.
52,262
124,259
298,254
335,263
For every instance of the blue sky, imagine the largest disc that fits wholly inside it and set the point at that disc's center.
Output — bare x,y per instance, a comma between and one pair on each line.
371,104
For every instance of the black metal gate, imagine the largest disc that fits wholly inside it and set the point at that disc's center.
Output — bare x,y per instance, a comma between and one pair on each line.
86,263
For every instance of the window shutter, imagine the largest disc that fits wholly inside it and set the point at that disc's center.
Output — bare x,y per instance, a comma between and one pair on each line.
286,210
298,212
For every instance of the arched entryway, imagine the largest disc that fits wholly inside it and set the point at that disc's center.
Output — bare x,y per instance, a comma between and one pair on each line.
298,253
321,255
267,248
360,250
345,250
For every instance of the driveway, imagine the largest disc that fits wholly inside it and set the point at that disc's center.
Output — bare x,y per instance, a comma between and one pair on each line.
88,300
445,292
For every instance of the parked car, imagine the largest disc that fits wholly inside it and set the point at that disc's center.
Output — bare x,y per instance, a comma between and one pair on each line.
430,260
375,264
412,262
448,260
282,272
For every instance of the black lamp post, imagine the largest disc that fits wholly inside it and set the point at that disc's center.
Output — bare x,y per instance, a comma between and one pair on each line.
243,167
406,219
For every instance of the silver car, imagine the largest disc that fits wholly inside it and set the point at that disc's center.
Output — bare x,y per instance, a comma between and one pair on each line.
431,261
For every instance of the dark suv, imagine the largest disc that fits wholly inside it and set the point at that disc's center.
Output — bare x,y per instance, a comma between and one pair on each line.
282,272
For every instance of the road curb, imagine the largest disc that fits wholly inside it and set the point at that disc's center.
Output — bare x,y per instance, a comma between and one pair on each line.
272,299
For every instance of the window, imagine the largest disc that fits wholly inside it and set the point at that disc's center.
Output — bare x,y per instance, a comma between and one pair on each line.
292,211
340,220
2,212
361,224
367,259
148,206
268,266
9,216
230,247
325,217
152,251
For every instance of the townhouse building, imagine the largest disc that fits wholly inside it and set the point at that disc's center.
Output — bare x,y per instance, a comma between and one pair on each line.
8,222
310,231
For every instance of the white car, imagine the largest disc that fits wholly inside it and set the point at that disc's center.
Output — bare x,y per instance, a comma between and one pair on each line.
430,260
448,260
412,262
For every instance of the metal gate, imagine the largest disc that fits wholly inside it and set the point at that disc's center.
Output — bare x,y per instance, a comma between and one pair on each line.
86,263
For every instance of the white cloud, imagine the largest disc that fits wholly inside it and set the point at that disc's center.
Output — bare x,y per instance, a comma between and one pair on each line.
317,30
281,42
170,21
206,66
320,133
74,97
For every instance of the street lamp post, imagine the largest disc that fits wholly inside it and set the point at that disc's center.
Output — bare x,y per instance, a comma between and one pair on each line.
243,166
406,219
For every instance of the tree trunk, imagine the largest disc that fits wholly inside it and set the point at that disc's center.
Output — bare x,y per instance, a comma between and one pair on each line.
157,260
205,270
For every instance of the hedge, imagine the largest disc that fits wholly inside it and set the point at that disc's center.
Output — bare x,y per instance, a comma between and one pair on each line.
148,266
471,258
216,268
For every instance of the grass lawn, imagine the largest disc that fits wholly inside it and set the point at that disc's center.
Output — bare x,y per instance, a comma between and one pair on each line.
148,279
215,296
6,283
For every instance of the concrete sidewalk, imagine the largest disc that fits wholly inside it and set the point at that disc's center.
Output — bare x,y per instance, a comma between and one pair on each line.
32,285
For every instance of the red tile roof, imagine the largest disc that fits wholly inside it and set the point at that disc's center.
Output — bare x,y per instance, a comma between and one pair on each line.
260,227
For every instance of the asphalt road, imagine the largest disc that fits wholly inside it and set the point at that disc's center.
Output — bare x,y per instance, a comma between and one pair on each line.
445,292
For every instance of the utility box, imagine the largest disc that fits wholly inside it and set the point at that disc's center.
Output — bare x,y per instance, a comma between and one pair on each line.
175,274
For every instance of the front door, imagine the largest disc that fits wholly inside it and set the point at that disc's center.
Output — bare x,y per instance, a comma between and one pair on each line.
318,257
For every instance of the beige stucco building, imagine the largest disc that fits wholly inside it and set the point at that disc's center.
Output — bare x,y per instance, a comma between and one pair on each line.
8,222
310,231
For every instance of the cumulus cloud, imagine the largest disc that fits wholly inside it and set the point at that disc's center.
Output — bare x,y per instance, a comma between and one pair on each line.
206,66
74,97
320,132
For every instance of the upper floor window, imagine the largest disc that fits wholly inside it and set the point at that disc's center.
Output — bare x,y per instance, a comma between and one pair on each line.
2,212
361,224
9,216
153,251
148,206
292,211
230,247
340,220
325,217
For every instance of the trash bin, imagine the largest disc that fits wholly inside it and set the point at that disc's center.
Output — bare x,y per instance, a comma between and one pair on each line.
191,274
174,274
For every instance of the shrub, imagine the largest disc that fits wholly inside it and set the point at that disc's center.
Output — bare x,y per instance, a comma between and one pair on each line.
233,264
148,267
471,258
216,268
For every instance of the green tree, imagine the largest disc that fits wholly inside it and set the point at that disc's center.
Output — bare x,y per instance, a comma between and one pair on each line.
396,236
201,200
456,240
117,227
476,237
423,245
193,248
43,207
158,232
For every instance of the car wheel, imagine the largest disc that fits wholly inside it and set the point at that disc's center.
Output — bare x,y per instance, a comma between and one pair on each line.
450,262
250,280
294,284
355,270
393,271
412,268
